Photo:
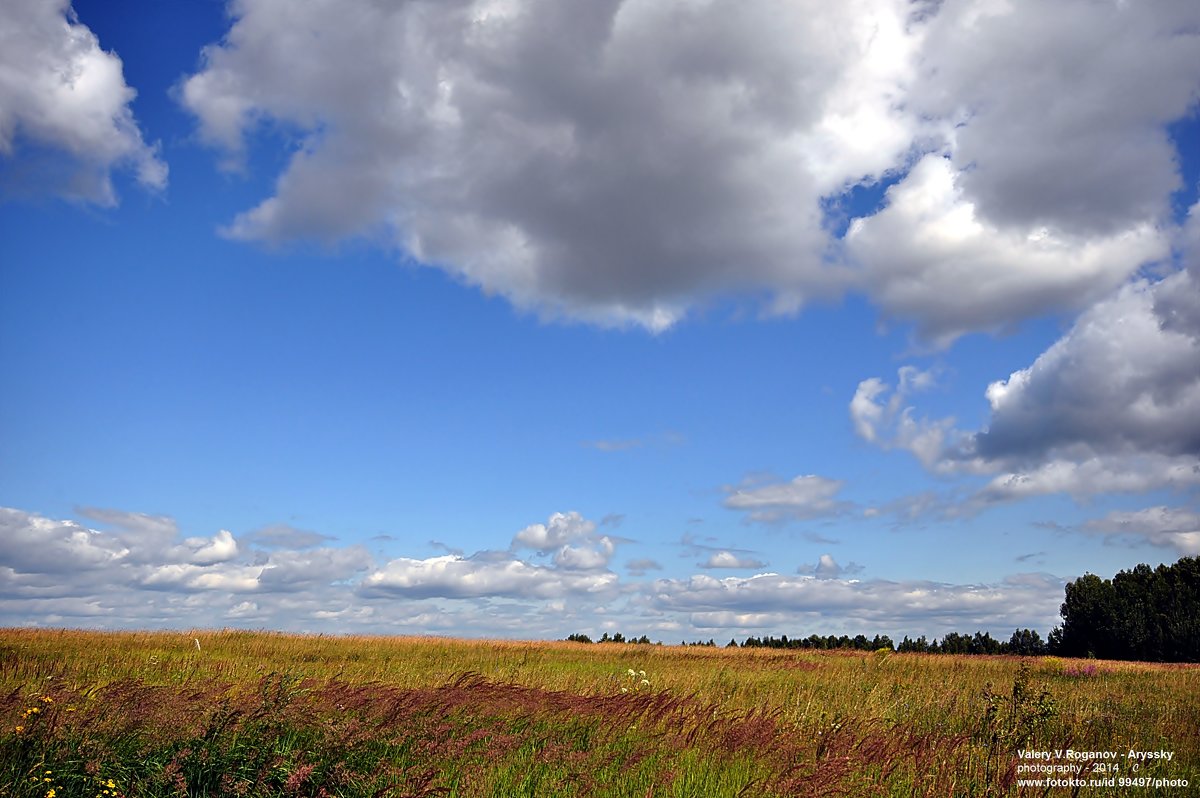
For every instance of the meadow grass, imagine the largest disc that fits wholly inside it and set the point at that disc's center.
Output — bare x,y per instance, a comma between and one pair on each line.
255,713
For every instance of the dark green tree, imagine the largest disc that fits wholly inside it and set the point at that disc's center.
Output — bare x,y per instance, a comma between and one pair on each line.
1140,614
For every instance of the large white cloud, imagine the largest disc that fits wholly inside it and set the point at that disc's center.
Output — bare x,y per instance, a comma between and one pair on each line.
65,118
628,161
614,164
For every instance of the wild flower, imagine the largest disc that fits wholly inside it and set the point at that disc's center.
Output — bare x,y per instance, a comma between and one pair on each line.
1089,669
637,681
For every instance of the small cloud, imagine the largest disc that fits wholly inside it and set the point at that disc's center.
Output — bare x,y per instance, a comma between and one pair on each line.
641,566
828,568
727,559
560,529
1167,527
613,519
613,446
1031,556
220,548
691,545
284,536
805,497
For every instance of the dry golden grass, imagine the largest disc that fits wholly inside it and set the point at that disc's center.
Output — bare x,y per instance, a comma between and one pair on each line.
891,714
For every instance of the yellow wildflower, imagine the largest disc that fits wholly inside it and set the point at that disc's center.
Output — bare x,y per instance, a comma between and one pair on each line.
48,699
20,729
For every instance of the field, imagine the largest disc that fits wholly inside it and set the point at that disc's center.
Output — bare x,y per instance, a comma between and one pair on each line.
261,714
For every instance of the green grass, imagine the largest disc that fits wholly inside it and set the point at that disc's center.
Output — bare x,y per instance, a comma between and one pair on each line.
262,714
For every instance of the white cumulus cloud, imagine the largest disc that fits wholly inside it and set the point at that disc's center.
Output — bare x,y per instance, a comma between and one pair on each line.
624,163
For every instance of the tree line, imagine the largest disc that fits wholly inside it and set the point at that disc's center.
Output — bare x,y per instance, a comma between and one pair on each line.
1147,614
1142,614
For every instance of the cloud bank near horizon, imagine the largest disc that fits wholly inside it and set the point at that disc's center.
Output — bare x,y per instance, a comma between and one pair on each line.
140,572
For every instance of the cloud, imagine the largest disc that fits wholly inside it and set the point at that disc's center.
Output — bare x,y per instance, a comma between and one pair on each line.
804,497
806,602
1112,406
573,540
690,545
457,577
560,529
727,559
31,544
640,566
891,424
587,557
154,538
220,548
1044,194
617,165
61,573
1090,476
626,164
930,244
189,577
828,568
65,118
283,536
138,529
302,570
614,446
1119,381
1037,139
1169,527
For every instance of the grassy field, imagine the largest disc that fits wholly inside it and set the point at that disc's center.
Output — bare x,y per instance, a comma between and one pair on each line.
260,714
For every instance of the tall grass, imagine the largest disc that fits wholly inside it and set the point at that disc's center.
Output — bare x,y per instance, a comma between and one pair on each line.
272,714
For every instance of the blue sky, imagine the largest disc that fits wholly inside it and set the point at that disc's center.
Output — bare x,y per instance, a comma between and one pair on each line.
496,318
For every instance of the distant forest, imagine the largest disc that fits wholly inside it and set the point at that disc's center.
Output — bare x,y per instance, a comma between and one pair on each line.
1145,614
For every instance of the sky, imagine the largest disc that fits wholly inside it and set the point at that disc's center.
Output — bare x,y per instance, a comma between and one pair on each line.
520,318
